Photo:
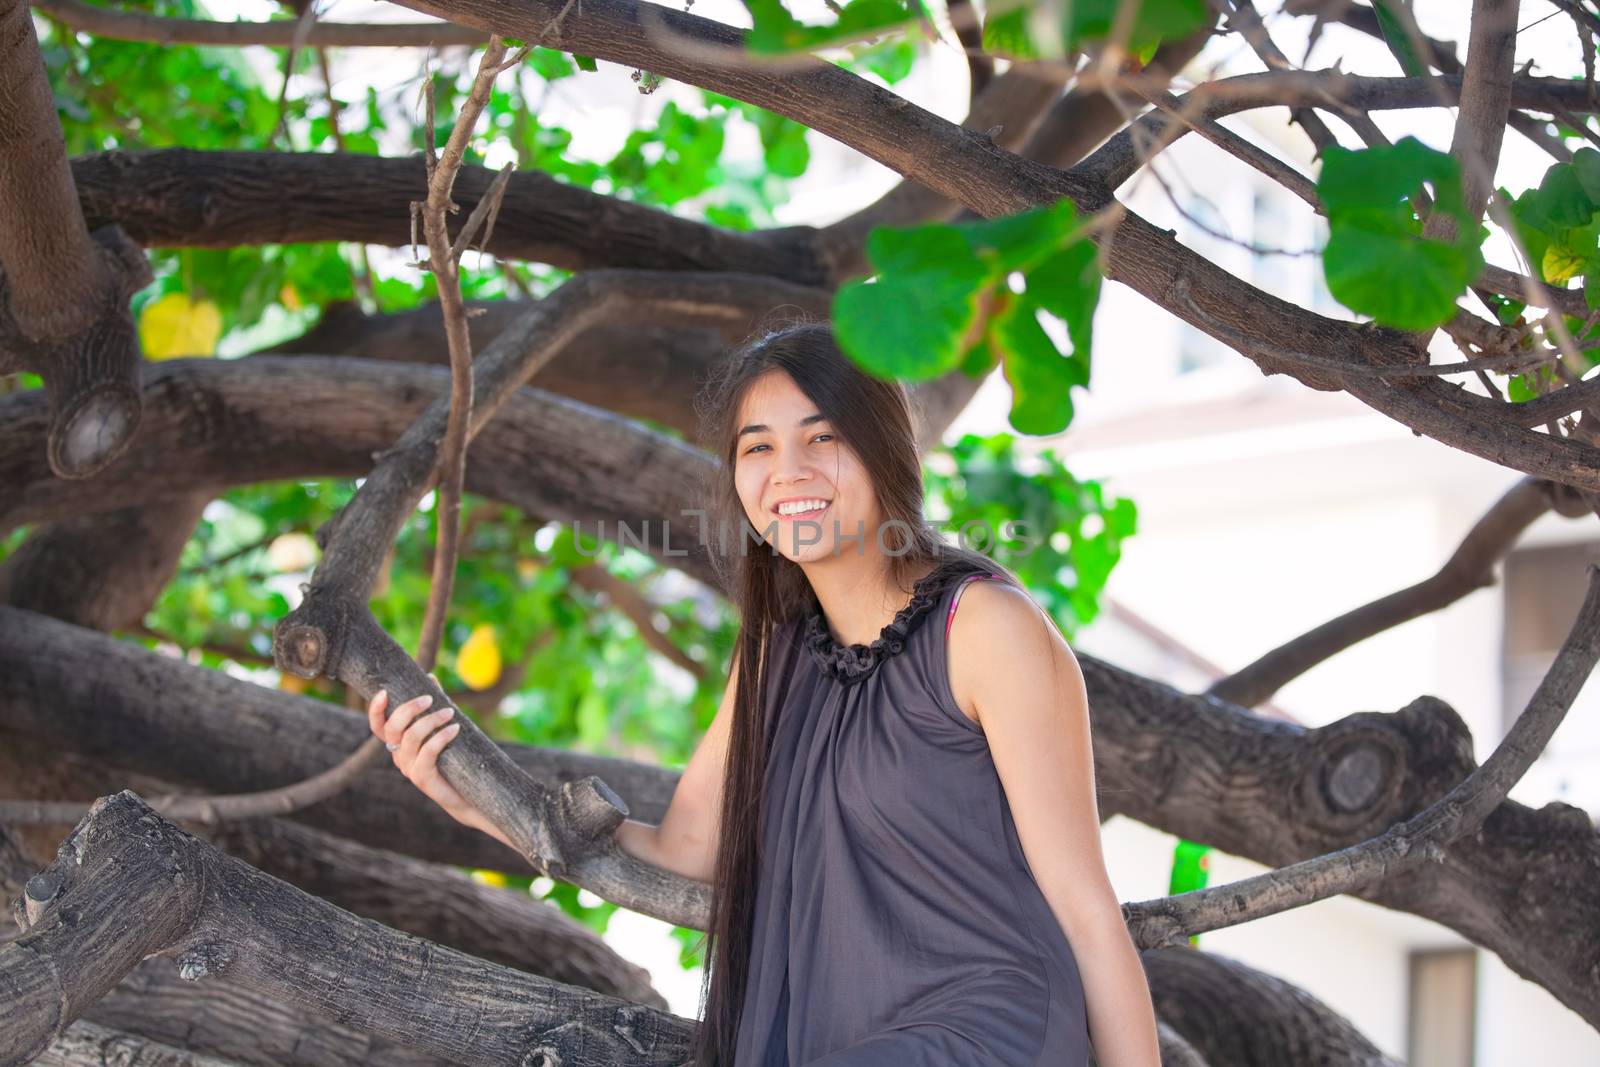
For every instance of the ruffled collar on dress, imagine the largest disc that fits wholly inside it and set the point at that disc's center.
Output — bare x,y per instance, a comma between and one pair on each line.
851,663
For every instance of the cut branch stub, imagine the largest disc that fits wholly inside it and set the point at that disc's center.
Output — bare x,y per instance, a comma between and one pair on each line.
63,297
566,832
92,374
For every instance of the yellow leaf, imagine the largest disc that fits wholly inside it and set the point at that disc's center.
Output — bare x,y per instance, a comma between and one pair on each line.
1560,265
478,662
175,326
494,878
293,683
289,297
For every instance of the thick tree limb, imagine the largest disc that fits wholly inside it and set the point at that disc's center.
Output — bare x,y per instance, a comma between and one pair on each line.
178,197
87,1044
648,372
1192,766
1234,1014
214,424
1404,846
1469,568
101,571
127,884
425,899
217,1017
63,292
137,26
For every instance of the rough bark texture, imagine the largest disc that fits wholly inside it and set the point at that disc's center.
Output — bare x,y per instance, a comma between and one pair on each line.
101,571
1234,1014
1192,766
127,884
63,291
425,899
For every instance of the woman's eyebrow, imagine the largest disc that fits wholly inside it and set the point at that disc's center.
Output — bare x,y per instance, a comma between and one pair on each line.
761,427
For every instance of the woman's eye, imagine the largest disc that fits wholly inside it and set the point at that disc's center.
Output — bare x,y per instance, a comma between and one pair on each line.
814,440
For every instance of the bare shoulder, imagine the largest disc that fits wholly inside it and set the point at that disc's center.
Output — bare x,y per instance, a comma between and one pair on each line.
998,629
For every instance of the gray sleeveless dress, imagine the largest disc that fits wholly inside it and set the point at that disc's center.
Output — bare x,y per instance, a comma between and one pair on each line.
897,922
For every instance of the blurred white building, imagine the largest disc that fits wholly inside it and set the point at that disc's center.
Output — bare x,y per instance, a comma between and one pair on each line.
1266,508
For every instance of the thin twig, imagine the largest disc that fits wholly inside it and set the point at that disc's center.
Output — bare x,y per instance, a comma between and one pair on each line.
444,262
1469,568
302,31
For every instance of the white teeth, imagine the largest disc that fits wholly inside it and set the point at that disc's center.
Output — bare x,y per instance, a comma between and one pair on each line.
796,507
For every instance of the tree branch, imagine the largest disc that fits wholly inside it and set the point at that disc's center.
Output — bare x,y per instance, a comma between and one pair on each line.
1406,845
63,292
137,26
1469,568
127,884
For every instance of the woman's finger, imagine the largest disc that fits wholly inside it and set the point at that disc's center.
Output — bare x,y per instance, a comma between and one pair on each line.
375,706
395,728
417,733
426,767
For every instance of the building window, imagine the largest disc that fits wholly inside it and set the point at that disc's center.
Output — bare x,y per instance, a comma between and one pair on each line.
1544,589
1441,1015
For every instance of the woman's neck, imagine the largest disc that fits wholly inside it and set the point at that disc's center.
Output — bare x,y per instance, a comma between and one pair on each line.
859,596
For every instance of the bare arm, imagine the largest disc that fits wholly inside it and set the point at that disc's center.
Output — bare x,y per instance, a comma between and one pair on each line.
1025,684
686,841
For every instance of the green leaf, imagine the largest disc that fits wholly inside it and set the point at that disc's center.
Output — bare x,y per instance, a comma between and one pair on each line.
1399,280
1386,178
1376,262
775,30
1156,21
1041,378
1586,165
585,63
1392,24
889,60
911,321
1015,242
1591,287
1068,286
551,65
1190,867
1561,199
1005,33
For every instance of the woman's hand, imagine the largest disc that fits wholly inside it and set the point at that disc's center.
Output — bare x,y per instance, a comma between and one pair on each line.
417,753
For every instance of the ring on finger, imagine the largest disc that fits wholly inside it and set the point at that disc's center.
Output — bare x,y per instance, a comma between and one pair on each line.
389,746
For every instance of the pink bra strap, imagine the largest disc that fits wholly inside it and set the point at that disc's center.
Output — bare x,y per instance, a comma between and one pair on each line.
950,619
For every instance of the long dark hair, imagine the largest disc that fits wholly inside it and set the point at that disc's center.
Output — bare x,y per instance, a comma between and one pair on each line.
872,417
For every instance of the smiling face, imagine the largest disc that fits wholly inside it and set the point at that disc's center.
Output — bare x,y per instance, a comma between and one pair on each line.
787,460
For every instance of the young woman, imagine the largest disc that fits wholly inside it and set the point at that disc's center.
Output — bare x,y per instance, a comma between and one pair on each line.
902,830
